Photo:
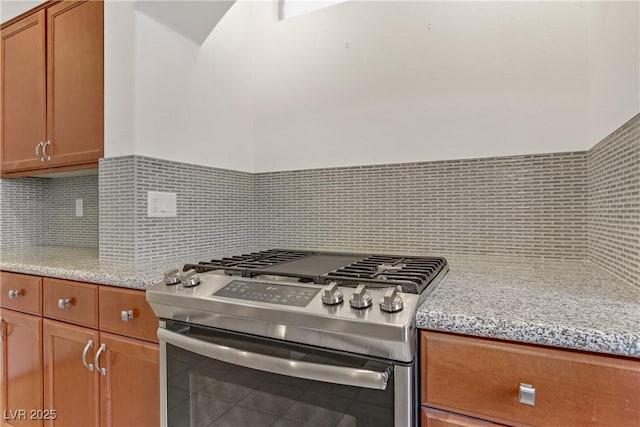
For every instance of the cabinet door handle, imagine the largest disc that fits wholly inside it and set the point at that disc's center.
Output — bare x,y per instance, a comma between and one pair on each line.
89,366
126,315
527,394
15,293
44,150
96,361
64,303
38,153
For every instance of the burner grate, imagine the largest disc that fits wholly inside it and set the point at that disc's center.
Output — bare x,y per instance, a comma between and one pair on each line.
412,273
250,261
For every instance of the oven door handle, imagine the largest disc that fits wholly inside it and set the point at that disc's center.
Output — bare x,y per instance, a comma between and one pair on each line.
293,368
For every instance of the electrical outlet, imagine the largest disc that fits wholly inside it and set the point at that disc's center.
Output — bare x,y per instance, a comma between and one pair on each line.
79,207
161,204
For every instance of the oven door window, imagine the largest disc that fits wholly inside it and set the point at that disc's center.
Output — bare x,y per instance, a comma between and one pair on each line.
205,391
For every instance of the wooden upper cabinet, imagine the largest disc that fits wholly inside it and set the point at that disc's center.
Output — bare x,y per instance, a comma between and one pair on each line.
23,93
53,89
75,100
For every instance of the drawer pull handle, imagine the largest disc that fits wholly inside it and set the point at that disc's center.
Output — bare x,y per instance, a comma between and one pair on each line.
15,293
64,303
527,394
96,361
89,366
125,315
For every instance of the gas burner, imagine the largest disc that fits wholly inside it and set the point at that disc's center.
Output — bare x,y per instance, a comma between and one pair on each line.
412,273
252,261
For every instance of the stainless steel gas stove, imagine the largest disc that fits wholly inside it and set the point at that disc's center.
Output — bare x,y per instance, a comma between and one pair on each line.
288,337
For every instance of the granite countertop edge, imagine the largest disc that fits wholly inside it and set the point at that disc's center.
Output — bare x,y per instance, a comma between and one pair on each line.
559,336
124,280
443,310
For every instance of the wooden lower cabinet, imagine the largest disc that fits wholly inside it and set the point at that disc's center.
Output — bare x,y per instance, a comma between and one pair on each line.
130,384
119,387
70,369
525,385
436,418
20,369
71,389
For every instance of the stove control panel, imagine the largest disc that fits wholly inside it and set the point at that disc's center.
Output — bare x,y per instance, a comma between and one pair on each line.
296,296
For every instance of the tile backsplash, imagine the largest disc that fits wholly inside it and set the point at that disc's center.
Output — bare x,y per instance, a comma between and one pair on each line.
24,212
532,206
215,210
613,230
67,229
40,211
579,205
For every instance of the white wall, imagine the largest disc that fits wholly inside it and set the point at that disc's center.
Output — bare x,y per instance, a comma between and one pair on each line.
418,81
614,66
368,82
11,8
168,97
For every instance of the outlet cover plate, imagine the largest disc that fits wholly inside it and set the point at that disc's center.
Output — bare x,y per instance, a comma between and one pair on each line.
161,204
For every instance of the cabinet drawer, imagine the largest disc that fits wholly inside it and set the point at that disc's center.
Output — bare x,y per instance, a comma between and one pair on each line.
21,292
115,303
71,301
482,378
436,418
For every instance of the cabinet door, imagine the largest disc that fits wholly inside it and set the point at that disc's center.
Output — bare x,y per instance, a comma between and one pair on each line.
75,101
21,368
23,93
69,387
130,386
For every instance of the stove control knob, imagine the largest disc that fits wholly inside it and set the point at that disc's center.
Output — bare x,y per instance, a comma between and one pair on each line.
360,297
331,294
391,301
172,277
190,279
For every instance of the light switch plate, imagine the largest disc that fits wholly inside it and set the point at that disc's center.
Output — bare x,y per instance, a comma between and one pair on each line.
79,207
161,204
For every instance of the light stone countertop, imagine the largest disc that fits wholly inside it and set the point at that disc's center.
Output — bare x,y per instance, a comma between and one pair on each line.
83,264
568,304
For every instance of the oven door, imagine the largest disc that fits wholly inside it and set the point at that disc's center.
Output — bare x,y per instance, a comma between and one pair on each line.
211,377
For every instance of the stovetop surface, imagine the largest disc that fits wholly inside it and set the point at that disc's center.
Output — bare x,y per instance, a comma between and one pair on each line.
287,294
412,273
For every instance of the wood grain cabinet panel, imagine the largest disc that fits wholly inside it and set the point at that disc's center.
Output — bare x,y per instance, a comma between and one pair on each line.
481,378
21,292
436,418
74,302
70,387
130,386
116,303
23,93
52,89
75,100
20,368
89,377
